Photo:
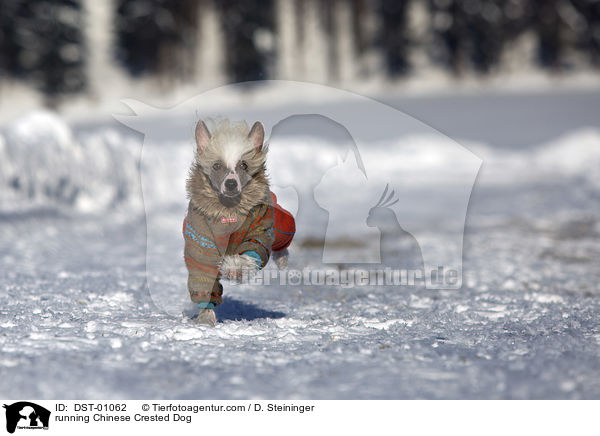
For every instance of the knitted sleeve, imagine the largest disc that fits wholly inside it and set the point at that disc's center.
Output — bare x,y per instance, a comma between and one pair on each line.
202,260
259,237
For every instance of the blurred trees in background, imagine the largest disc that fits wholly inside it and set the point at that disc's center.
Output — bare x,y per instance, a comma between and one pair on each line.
473,33
149,32
41,41
393,37
44,42
248,27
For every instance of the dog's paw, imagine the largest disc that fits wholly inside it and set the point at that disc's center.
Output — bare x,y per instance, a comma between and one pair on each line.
207,317
281,258
236,266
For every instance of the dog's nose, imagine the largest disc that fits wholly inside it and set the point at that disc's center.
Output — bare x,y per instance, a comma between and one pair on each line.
230,184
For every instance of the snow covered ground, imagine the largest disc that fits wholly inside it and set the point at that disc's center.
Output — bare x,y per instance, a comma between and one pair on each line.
77,319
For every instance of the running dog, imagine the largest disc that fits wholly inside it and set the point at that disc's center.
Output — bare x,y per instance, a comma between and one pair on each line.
232,217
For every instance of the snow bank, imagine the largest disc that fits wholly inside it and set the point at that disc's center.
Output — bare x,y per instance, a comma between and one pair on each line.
43,164
412,165
573,155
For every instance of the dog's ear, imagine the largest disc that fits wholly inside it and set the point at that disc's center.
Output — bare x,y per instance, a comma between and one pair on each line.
202,136
257,135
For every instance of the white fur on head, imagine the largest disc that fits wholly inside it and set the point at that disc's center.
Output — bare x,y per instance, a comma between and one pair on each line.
229,142
235,266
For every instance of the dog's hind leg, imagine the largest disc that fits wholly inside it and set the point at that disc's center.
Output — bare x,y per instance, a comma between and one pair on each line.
281,258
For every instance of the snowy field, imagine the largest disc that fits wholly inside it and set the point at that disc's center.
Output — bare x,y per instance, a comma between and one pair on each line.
77,319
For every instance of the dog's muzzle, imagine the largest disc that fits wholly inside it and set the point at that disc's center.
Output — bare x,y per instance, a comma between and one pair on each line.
231,186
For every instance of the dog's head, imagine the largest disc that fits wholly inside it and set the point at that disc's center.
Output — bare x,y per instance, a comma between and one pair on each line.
230,158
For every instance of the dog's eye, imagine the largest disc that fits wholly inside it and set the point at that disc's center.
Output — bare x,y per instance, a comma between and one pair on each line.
217,166
244,165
